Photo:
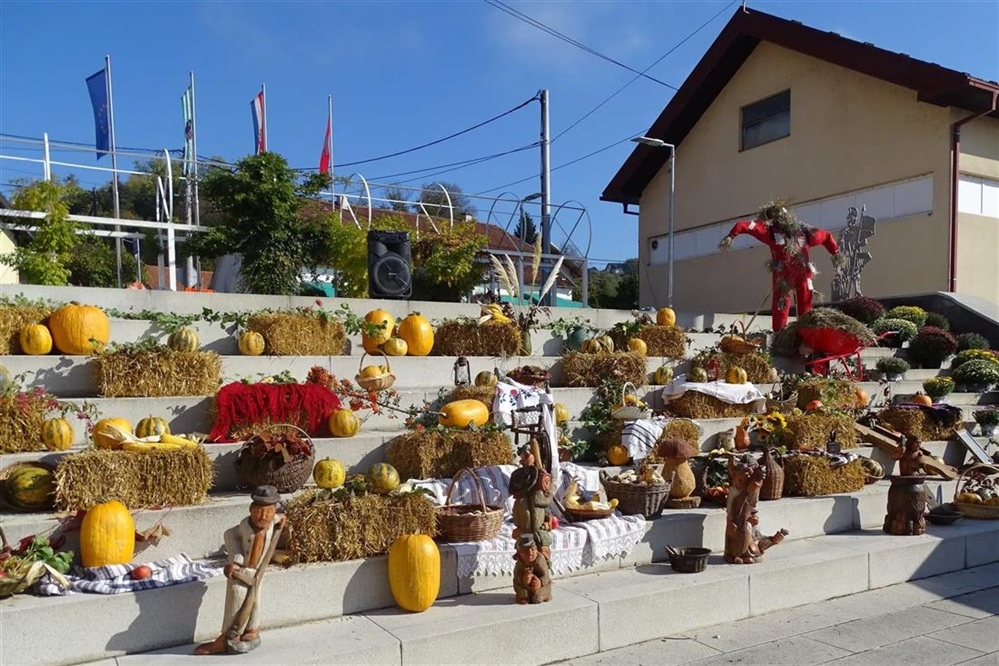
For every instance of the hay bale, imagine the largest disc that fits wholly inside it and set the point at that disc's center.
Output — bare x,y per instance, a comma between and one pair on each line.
811,430
786,342
463,338
810,476
667,341
919,424
325,529
683,429
579,369
293,334
484,394
439,453
14,317
697,405
21,419
833,393
156,373
756,364
138,480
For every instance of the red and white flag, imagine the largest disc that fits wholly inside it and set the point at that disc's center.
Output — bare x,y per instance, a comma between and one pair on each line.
326,156
259,110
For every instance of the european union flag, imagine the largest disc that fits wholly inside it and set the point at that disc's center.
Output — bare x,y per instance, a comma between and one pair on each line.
98,86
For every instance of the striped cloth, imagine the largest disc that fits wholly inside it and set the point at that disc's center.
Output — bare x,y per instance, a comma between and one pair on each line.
116,578
640,436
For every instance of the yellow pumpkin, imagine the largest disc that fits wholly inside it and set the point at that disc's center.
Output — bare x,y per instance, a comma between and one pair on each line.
395,347
184,340
251,343
638,346
344,423
414,569
107,535
664,375
102,439
666,317
462,413
969,498
561,413
57,434
418,333
736,375
329,473
371,371
382,478
373,342
151,425
36,340
80,330
617,454
486,378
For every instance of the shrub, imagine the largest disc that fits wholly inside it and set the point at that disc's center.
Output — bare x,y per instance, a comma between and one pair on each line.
938,387
93,263
977,372
931,346
892,365
904,330
938,320
972,341
909,313
863,309
987,416
971,355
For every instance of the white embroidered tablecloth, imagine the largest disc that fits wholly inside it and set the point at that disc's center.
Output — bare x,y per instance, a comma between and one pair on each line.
733,394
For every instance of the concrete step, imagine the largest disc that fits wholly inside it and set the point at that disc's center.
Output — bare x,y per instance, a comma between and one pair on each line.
588,613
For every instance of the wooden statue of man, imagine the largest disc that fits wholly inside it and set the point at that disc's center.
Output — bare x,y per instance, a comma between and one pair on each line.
250,546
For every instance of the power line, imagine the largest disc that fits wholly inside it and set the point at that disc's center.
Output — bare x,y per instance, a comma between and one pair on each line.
520,16
460,164
640,74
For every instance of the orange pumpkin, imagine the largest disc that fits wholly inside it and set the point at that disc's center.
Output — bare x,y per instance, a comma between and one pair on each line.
80,330
418,333
862,398
617,454
102,437
922,399
814,405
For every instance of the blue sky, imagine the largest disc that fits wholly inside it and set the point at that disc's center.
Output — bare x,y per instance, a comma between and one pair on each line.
405,73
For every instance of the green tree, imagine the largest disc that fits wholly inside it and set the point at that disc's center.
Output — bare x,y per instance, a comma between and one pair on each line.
93,264
43,258
398,198
526,229
435,201
258,202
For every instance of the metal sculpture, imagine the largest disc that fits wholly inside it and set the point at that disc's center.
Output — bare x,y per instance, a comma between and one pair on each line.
853,245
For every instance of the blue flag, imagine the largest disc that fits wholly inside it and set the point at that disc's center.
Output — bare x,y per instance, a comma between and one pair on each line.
98,86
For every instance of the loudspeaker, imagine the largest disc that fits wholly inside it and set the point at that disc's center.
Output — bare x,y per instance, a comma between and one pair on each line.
389,262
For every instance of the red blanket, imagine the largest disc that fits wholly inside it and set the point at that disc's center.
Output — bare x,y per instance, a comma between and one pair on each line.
244,404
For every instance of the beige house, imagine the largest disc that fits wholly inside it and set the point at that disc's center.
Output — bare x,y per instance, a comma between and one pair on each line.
776,109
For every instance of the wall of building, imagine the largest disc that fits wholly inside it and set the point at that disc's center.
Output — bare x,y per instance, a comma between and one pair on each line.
8,275
978,209
851,135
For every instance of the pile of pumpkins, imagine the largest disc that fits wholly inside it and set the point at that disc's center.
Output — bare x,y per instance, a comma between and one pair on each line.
72,329
411,336
381,478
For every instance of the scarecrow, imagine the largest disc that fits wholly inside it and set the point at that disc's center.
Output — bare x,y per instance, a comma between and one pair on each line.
789,241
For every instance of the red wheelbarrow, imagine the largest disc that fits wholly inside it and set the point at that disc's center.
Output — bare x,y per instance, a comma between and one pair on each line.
833,345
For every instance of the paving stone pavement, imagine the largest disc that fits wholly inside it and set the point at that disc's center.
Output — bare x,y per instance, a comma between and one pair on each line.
949,619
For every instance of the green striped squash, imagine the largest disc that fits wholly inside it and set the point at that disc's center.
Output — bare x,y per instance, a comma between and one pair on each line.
184,340
31,488
152,426
57,434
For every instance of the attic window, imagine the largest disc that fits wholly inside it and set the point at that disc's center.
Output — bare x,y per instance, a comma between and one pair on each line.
766,120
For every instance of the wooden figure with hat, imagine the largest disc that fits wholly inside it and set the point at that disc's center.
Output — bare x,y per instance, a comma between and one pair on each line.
533,493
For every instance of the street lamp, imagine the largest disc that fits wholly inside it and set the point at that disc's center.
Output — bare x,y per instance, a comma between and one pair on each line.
659,143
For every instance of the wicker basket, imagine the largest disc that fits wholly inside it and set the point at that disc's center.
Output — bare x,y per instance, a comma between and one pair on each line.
582,515
287,478
688,560
530,375
629,412
773,482
375,383
468,522
637,498
5,473
977,511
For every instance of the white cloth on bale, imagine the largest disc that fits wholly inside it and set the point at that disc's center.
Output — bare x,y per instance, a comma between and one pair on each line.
733,394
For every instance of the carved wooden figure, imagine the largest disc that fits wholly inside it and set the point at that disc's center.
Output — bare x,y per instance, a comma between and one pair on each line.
532,582
743,542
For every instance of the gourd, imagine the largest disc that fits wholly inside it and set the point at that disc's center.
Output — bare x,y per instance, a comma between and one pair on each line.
862,397
35,339
638,346
57,434
663,375
102,439
329,473
107,535
5,381
31,488
80,330
814,405
251,343
617,454
697,375
414,569
486,378
395,347
591,346
382,478
922,399
666,317
183,340
344,423
462,413
150,426
561,413
418,333
684,482
372,343
607,342
736,375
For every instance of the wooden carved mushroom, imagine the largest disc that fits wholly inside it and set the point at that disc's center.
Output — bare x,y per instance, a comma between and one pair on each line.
675,453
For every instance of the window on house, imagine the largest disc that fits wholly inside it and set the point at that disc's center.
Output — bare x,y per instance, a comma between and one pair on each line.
766,120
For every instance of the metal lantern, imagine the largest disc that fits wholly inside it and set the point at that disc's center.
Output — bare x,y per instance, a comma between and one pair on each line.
462,372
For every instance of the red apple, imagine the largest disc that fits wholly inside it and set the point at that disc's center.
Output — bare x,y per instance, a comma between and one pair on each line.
141,572
554,522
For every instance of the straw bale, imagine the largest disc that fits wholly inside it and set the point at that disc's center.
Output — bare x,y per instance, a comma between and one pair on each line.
810,476
291,334
15,317
697,405
159,373
786,342
833,393
21,419
484,394
756,364
579,369
683,429
440,453
612,436
326,529
811,430
138,480
667,341
458,338
917,423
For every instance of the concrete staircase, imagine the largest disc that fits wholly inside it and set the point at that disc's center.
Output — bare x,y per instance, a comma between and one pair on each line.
344,612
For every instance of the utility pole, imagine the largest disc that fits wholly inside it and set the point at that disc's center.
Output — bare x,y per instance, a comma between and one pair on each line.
546,198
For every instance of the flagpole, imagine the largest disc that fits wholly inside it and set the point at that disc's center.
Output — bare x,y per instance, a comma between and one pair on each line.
194,149
114,168
263,108
332,181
